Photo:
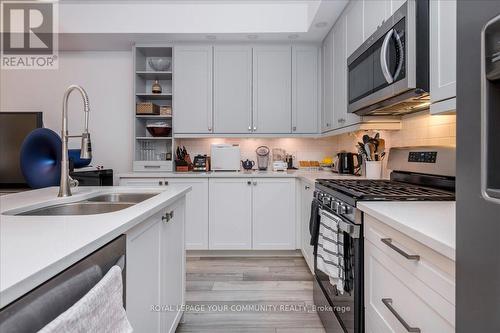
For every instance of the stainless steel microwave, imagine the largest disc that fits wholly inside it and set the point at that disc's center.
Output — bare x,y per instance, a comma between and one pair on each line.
389,73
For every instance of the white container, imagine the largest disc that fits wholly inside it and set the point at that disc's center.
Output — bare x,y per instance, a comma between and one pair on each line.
373,169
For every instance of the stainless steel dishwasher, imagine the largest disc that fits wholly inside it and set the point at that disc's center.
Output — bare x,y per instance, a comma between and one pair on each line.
37,308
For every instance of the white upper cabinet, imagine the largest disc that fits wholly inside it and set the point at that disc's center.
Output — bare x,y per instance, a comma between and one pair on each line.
193,89
443,54
376,12
305,89
232,89
272,89
354,15
395,4
341,117
273,214
328,88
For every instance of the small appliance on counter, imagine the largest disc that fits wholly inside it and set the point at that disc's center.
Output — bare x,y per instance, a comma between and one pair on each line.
290,161
93,177
225,157
344,163
280,166
262,157
247,165
201,163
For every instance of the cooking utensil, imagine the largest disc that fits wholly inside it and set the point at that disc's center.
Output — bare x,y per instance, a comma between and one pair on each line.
366,138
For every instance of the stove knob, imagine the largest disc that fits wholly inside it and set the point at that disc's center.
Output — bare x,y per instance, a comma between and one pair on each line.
334,205
343,209
326,200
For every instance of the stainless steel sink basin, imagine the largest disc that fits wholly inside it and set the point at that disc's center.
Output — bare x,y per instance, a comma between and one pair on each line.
78,208
122,197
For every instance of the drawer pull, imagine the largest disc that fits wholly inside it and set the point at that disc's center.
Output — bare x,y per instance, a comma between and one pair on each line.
388,242
388,303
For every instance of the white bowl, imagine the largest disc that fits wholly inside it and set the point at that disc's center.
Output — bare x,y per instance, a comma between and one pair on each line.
160,64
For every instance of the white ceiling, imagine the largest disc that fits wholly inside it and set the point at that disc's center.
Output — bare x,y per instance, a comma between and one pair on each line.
116,24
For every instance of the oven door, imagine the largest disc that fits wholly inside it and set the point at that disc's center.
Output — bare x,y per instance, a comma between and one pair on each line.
348,306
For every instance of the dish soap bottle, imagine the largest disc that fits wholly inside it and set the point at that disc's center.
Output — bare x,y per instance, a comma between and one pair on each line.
156,88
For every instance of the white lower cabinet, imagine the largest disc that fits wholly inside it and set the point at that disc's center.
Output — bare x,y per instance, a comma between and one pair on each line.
404,293
306,197
155,269
196,211
230,221
252,213
273,214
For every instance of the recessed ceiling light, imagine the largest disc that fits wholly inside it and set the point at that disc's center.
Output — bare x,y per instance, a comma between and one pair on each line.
321,24
294,36
252,36
211,37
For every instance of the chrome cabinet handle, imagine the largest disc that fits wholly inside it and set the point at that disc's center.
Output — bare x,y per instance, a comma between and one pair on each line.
327,124
383,57
255,128
307,187
250,128
388,303
388,242
160,183
209,129
167,217
166,183
294,128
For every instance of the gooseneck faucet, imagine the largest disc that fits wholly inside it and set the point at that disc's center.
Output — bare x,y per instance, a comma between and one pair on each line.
86,148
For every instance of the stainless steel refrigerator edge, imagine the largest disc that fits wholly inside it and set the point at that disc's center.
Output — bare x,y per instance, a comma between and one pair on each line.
478,170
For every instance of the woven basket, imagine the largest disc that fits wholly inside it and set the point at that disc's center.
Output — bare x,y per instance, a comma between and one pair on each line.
147,108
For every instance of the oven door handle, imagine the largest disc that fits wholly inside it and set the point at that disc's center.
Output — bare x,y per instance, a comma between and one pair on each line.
352,229
383,57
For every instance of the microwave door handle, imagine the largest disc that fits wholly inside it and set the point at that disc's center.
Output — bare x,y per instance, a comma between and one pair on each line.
383,57
401,50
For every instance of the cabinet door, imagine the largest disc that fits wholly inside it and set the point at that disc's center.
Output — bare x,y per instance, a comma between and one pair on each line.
273,214
328,88
172,266
143,275
196,212
272,89
395,4
354,16
230,214
443,48
376,12
306,198
232,89
305,89
146,182
341,117
192,98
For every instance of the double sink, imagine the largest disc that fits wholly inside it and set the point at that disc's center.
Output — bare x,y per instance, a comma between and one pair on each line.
100,204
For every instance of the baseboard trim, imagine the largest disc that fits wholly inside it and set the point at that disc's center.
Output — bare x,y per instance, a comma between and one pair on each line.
243,253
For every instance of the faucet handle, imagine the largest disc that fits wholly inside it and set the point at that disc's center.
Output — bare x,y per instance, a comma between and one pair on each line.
73,182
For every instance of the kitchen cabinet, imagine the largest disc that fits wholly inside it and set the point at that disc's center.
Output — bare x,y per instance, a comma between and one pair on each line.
421,292
155,270
230,214
443,55
272,89
341,117
192,105
305,99
354,16
232,89
273,214
252,213
145,182
328,88
376,12
196,211
306,198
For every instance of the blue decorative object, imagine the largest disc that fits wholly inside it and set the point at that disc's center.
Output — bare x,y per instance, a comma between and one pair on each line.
74,156
41,158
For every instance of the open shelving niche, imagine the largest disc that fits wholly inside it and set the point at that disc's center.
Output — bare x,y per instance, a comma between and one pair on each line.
150,152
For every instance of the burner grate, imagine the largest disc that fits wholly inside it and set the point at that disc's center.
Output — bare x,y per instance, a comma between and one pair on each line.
384,190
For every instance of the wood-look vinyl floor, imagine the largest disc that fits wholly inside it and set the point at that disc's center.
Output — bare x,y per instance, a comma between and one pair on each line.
249,295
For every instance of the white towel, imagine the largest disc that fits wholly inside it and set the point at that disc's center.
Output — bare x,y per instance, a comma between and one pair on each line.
330,252
100,310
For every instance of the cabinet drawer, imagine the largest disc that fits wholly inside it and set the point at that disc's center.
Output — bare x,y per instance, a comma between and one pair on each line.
432,268
152,166
395,298
145,182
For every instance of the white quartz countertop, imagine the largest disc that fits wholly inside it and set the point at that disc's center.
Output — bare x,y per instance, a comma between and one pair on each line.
35,248
306,175
432,223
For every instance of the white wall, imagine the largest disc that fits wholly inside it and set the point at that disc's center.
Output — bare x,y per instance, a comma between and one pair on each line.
107,77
